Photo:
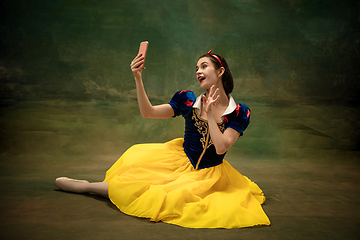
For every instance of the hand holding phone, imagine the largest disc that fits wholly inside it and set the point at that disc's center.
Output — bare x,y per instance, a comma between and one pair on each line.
143,49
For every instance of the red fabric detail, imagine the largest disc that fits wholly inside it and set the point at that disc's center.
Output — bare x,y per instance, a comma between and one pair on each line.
238,109
188,103
183,91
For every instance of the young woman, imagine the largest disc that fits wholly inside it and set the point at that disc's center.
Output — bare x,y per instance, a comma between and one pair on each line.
185,181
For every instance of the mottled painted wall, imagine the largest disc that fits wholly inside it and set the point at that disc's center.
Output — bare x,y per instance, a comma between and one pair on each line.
279,51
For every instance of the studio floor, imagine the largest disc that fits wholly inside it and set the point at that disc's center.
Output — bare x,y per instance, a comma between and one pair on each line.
305,158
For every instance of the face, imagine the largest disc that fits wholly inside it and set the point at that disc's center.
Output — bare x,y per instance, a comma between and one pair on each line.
206,73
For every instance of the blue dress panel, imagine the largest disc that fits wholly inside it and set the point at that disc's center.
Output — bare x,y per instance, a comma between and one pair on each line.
196,128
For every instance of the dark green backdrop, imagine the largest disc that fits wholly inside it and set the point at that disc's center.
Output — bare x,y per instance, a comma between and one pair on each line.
295,63
277,50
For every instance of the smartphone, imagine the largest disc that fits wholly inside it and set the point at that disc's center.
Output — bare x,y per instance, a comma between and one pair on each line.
143,49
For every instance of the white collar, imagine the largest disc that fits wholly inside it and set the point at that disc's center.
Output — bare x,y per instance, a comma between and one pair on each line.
231,107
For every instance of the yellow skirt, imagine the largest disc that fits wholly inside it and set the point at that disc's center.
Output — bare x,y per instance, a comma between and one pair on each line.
157,181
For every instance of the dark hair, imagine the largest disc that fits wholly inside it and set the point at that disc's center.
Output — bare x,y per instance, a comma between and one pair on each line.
227,79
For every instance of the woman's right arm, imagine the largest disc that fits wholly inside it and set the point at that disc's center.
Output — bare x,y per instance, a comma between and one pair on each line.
147,110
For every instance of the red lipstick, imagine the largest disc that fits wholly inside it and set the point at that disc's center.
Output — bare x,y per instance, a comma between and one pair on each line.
201,78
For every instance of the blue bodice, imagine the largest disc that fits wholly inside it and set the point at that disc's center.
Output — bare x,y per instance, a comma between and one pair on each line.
196,128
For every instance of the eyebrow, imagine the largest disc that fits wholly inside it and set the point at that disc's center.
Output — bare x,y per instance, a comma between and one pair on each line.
201,64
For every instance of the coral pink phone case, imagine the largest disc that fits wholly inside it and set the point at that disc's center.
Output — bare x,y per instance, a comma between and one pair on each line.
143,49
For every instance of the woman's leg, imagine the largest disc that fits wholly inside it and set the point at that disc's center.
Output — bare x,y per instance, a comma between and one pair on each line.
99,188
82,186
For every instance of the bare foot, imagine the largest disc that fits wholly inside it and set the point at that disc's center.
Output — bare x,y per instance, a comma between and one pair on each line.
71,185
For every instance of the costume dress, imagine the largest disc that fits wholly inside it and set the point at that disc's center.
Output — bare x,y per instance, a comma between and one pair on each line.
159,181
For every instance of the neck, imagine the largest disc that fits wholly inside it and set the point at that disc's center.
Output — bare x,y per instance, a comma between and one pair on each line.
223,99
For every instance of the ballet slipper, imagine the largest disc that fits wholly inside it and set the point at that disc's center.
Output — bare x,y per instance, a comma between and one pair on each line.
71,185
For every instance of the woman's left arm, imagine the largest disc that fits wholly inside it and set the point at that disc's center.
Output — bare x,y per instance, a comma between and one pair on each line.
222,141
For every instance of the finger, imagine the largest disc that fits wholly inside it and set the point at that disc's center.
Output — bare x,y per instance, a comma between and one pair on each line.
137,58
217,98
211,90
137,64
204,99
138,55
215,92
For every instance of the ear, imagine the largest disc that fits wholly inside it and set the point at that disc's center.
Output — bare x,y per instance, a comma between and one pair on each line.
221,71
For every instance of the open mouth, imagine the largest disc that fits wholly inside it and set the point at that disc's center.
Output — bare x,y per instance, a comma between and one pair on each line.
200,79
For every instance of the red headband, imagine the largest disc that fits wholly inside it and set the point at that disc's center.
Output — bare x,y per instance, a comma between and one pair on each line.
216,57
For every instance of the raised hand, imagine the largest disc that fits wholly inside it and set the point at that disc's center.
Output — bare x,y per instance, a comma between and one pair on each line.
137,65
211,99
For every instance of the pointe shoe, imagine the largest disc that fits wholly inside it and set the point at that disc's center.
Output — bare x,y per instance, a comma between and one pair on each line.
71,185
